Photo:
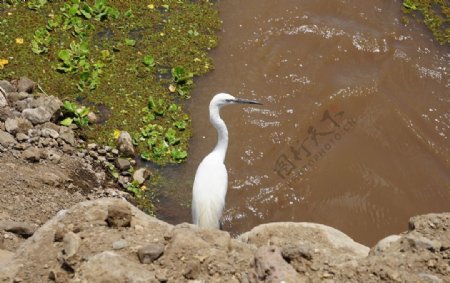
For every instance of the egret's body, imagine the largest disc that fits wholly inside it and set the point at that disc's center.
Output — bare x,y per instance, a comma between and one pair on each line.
211,179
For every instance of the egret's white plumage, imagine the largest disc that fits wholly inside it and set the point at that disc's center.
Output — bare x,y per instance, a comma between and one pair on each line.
211,179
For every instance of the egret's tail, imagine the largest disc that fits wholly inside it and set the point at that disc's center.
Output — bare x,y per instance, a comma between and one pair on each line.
208,216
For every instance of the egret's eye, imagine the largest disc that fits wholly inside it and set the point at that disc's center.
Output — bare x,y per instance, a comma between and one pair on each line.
229,100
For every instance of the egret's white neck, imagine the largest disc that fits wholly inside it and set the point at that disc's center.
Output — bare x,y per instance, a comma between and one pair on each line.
222,132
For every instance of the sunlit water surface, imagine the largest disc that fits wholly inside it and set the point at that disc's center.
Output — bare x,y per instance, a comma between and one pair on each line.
354,130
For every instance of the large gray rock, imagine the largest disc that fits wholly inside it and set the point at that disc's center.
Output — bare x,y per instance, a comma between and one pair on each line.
49,103
37,115
318,236
42,109
6,139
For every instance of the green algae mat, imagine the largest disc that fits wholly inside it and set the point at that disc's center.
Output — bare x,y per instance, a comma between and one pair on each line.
131,62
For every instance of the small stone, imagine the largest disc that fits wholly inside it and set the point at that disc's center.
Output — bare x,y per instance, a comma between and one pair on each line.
5,113
67,135
92,118
47,132
21,137
25,84
123,164
141,175
93,154
120,244
92,146
123,181
6,139
126,144
115,151
21,146
150,253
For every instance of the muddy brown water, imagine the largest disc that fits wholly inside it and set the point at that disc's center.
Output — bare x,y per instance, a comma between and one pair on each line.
354,130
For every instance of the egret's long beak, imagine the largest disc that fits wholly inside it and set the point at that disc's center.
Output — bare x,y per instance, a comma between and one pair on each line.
246,101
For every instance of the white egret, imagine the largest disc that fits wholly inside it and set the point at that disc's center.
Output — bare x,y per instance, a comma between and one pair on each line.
211,179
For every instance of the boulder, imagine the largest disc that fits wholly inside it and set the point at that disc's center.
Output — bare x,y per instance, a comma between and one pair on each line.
319,236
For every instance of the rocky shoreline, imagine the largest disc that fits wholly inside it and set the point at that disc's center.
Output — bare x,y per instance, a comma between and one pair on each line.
46,171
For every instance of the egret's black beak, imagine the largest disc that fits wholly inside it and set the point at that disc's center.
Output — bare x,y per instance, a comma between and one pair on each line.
245,101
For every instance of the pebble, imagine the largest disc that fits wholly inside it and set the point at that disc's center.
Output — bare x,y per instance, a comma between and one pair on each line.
120,244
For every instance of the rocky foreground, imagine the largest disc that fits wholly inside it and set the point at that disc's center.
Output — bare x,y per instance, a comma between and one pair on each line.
46,171
109,240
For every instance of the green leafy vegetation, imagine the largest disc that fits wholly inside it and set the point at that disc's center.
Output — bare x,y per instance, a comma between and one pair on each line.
160,138
75,114
135,60
435,14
